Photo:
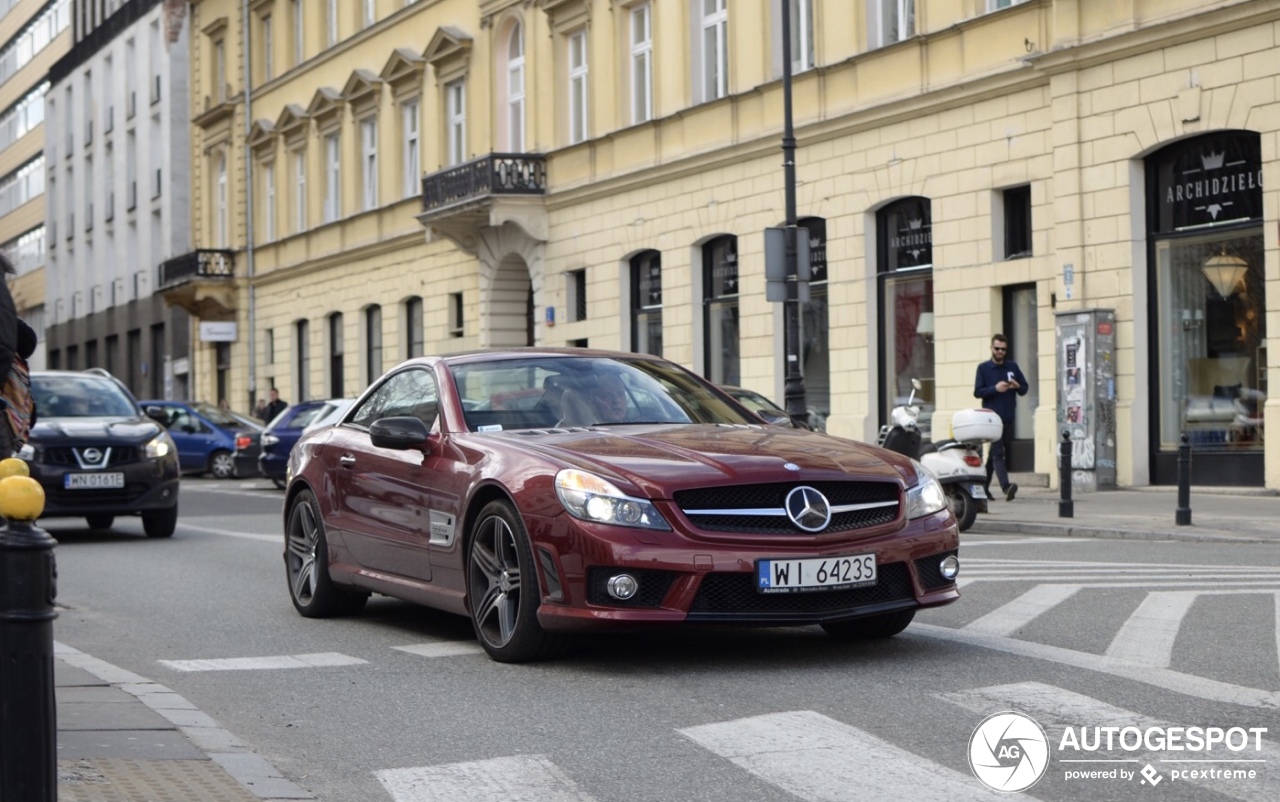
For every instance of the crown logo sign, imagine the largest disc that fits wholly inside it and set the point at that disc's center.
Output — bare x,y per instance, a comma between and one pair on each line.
1212,161
814,242
914,223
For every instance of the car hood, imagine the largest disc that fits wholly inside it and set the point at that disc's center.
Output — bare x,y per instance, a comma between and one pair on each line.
660,460
52,431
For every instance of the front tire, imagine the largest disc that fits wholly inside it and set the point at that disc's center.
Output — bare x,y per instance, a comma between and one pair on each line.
873,627
502,588
160,523
306,561
100,521
222,465
963,507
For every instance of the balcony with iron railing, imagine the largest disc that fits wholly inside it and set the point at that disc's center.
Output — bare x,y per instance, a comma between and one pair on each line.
202,282
460,200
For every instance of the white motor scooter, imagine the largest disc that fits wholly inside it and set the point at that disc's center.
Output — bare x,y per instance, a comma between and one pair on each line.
956,463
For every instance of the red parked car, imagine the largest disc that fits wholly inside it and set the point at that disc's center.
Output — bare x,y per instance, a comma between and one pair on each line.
543,492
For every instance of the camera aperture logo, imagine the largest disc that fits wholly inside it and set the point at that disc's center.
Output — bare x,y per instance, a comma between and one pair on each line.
1009,752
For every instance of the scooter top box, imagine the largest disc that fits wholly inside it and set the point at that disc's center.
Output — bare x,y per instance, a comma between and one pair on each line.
969,425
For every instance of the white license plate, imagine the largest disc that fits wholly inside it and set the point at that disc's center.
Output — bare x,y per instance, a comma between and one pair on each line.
978,491
818,573
93,481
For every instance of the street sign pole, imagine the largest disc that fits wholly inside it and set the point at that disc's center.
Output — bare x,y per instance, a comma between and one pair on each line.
793,391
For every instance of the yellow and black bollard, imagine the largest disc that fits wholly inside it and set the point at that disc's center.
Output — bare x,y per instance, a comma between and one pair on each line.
28,576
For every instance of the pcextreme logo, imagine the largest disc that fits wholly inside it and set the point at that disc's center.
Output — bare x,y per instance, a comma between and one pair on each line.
1010,752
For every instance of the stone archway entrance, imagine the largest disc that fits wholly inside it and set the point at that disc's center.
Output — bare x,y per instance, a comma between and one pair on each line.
511,284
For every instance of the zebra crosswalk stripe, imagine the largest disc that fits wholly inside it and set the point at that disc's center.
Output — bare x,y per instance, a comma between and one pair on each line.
1057,708
818,759
521,778
323,659
1147,636
1009,618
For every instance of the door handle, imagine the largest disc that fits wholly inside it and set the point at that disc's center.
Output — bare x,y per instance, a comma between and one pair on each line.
346,460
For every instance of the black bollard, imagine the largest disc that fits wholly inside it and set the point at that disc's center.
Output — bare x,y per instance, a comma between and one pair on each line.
1066,507
1183,516
28,732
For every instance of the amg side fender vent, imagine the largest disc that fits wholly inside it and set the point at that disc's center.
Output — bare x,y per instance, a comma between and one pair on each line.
554,591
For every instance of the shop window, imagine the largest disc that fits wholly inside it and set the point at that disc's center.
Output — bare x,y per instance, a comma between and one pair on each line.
646,303
905,266
721,358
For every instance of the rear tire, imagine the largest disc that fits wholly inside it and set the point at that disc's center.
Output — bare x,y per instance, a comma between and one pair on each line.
306,561
963,507
222,465
100,521
160,523
873,627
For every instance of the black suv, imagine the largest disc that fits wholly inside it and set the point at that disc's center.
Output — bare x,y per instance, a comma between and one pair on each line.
98,455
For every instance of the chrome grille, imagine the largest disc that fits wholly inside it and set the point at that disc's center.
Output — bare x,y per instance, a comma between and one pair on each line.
712,508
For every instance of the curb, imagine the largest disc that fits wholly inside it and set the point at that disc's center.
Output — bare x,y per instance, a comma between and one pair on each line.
1114,533
254,772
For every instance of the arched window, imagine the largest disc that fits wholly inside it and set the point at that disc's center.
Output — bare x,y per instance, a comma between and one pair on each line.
905,265
414,344
646,303
720,322
515,89
335,356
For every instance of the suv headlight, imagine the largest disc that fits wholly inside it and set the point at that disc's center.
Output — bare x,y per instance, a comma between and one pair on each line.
590,498
159,446
926,497
27,452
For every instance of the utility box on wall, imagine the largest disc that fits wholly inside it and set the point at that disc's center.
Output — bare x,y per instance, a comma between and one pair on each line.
1086,381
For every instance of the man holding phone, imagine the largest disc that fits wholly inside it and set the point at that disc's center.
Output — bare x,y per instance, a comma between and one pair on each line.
998,384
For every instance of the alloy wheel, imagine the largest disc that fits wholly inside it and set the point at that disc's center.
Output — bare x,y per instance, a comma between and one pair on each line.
304,533
494,568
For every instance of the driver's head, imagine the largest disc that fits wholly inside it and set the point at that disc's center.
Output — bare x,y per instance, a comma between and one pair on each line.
610,399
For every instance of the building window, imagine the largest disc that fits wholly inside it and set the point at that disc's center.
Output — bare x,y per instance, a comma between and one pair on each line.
331,22
802,55
335,355
221,216
457,121
411,159
641,63
576,288
219,76
299,34
301,335
815,351
373,343
268,49
299,190
720,322
455,315
578,87
269,346
369,162
414,340
1017,222
269,201
515,90
891,21
333,179
905,267
370,12
646,303
714,43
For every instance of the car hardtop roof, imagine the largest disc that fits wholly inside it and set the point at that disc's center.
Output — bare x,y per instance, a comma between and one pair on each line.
495,355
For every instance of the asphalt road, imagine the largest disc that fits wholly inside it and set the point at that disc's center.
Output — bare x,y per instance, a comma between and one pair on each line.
403,706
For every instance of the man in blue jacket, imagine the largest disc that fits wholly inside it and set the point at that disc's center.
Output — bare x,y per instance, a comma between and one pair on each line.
998,380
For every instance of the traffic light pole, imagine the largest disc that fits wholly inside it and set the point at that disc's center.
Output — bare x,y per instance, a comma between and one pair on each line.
794,391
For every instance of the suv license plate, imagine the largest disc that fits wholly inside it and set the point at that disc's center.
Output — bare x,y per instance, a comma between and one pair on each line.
93,481
820,573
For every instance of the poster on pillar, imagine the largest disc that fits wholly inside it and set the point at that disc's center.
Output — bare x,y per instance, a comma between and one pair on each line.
1086,394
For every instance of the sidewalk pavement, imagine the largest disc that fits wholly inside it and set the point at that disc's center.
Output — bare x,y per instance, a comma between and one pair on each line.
1218,514
122,737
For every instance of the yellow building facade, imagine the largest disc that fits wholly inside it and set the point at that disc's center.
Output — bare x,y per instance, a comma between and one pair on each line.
404,178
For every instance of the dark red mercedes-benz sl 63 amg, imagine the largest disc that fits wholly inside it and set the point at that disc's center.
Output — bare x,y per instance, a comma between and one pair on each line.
542,492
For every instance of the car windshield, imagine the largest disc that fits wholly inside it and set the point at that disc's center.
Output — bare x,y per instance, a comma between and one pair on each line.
753,400
80,397
222,417
566,391
306,416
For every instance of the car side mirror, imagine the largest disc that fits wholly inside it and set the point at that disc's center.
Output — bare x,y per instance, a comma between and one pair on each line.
775,417
160,415
399,433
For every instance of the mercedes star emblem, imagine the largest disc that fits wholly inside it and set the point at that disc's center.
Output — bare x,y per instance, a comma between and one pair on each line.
808,509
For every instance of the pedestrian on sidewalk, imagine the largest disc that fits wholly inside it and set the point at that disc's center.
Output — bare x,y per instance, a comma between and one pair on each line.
275,406
999,383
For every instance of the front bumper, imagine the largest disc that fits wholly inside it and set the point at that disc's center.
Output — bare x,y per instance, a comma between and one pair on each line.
683,578
148,485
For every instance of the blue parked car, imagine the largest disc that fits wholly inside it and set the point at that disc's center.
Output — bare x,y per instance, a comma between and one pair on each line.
281,433
205,435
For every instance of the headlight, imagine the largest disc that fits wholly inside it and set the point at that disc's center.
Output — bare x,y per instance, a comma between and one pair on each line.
587,496
160,446
270,439
27,452
927,497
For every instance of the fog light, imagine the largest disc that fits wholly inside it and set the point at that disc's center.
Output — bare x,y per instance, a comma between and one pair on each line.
622,586
949,567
